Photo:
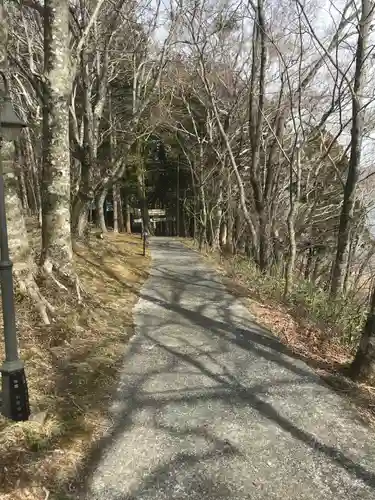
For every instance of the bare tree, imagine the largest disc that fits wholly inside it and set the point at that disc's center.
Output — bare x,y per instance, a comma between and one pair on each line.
24,266
343,237
57,252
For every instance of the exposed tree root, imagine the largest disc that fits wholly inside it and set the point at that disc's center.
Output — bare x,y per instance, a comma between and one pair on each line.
26,285
20,250
63,276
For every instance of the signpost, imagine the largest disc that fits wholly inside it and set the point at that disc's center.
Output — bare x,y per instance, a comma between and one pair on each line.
156,212
145,237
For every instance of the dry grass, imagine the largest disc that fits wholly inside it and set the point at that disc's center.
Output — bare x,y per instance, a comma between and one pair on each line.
72,368
306,339
311,344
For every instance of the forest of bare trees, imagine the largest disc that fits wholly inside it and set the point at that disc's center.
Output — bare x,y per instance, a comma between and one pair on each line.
267,108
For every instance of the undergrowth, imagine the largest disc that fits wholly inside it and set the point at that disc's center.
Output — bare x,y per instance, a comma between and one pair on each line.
342,319
322,333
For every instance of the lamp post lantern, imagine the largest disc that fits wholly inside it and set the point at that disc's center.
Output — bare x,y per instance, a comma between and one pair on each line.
15,398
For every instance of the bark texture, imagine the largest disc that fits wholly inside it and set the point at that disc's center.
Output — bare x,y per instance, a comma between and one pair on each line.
19,248
100,199
57,252
127,222
24,268
363,365
294,197
343,238
116,208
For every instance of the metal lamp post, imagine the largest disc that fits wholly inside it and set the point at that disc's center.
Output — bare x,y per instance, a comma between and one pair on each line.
15,398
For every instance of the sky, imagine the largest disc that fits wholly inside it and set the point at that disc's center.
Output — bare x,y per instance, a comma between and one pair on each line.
323,16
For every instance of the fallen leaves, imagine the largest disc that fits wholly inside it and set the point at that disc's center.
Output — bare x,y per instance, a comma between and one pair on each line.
72,368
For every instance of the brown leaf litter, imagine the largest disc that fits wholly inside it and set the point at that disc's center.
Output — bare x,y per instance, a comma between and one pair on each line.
71,367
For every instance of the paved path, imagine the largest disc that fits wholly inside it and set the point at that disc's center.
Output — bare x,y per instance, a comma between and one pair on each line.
210,407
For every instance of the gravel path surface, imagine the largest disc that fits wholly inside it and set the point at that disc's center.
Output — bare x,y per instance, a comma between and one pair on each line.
211,407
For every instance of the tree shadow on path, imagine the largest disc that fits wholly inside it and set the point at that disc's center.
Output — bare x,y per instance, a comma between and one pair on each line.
225,387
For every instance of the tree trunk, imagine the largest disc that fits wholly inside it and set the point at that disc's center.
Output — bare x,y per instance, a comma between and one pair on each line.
237,230
203,218
143,199
316,269
277,249
217,218
339,266
223,234
264,238
57,252
120,213
185,218
354,240
23,264
255,124
363,365
128,227
100,199
294,196
33,185
116,203
19,166
210,228
230,228
33,167
85,194
23,190
194,230
82,222
309,262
